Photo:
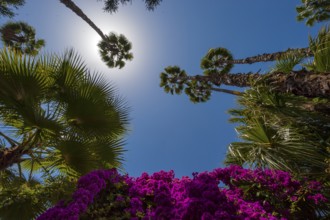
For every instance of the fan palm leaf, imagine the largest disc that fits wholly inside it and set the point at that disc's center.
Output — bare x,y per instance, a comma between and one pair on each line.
21,37
57,120
287,63
278,132
45,101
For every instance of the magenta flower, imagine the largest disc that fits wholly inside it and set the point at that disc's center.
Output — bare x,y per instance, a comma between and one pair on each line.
246,194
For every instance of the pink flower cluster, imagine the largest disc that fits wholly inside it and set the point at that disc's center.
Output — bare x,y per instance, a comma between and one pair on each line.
228,193
87,188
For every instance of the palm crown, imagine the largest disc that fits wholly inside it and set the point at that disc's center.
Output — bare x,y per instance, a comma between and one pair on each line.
58,120
21,37
54,110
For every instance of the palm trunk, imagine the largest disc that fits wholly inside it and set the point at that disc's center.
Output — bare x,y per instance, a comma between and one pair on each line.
231,92
266,57
12,155
229,79
302,83
71,5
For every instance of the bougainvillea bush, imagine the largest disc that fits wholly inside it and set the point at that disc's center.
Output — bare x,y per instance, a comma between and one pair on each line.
228,193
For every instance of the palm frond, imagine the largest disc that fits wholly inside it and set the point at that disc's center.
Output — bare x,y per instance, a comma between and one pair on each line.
68,121
110,151
279,132
283,148
287,63
93,110
321,49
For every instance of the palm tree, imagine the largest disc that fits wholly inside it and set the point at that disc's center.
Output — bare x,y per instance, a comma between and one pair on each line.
313,11
112,5
58,121
279,132
55,113
114,49
117,56
6,7
217,63
266,57
21,37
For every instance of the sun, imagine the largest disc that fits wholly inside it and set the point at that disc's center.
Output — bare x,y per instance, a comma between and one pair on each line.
127,22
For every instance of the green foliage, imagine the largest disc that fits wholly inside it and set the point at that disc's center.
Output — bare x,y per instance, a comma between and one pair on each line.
113,5
215,61
110,203
174,81
328,159
69,121
280,132
320,46
26,199
115,50
21,37
287,63
198,91
313,11
7,6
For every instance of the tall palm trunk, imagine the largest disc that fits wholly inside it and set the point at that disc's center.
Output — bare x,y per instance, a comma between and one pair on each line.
13,155
303,83
266,57
71,5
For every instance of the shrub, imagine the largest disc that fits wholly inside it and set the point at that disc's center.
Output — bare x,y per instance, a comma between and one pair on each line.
224,193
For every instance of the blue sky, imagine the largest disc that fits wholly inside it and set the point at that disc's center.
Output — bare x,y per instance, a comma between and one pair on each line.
169,132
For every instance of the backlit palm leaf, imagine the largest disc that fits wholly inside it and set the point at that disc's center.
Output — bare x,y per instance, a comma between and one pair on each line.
279,132
62,120
20,36
321,49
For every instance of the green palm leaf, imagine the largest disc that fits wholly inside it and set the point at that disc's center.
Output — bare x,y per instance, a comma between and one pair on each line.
21,37
321,49
64,119
279,132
